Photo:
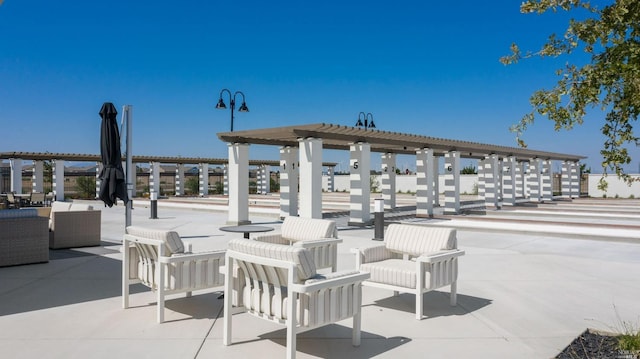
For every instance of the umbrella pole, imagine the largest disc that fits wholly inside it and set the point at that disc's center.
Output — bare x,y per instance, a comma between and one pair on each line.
126,111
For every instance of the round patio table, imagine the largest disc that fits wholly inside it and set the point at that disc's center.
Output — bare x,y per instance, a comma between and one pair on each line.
246,229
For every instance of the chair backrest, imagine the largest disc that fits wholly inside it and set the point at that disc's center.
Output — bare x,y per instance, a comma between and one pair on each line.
171,239
11,198
301,257
37,197
299,229
416,240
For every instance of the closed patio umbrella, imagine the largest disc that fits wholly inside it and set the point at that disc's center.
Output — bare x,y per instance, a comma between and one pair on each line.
112,179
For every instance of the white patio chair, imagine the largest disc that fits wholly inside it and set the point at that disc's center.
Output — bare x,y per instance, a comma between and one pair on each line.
158,259
320,236
279,284
413,259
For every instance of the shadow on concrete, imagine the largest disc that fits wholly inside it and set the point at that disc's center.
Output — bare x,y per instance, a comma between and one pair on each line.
436,304
322,342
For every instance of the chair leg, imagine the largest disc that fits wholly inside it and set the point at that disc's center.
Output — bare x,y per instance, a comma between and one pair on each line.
454,291
291,325
125,274
356,330
228,299
419,304
161,293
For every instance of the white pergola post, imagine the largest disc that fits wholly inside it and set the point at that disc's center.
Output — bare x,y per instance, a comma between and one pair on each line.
238,184
154,178
547,178
99,167
452,182
57,167
37,178
424,182
491,179
331,184
16,174
225,179
360,191
481,179
265,178
535,180
519,185
436,181
203,180
310,177
288,181
565,179
575,180
180,179
509,180
389,180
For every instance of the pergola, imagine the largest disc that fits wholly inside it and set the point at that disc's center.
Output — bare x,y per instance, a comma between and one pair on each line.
506,174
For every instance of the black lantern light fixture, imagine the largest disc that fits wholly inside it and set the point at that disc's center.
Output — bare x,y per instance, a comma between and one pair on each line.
366,124
232,102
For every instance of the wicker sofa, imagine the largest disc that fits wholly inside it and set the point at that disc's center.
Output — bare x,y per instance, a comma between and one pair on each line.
24,237
73,225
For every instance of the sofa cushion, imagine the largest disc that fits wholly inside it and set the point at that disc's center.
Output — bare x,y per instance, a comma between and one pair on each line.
171,239
417,240
300,229
302,257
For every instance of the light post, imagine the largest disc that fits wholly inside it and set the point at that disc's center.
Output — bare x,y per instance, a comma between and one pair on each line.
366,124
232,101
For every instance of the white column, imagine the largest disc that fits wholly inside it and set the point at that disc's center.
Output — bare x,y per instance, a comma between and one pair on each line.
37,178
424,182
389,180
519,185
360,191
535,180
288,181
481,179
491,178
265,179
566,179
16,174
99,167
509,180
225,179
154,177
57,167
203,180
547,177
436,181
331,184
575,180
180,179
238,183
310,177
452,182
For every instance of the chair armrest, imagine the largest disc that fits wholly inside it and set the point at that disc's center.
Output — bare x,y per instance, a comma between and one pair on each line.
317,242
184,257
440,256
372,254
329,281
272,238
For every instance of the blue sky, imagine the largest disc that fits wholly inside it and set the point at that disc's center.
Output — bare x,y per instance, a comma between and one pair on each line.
429,68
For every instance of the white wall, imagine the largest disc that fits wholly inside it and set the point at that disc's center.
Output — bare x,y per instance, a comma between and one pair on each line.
405,183
615,187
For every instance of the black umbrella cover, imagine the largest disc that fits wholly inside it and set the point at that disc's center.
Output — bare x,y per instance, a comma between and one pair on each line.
112,180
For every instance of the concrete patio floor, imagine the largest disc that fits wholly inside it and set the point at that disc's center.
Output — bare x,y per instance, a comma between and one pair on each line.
522,293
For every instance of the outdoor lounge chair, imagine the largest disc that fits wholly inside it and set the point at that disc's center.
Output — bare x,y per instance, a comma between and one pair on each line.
279,283
159,260
413,259
320,236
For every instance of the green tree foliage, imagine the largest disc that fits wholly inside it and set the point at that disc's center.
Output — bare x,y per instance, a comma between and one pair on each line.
469,170
610,81
192,186
86,187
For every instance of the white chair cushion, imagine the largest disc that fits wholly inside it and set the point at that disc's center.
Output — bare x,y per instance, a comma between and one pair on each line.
418,240
396,272
171,239
300,229
302,257
59,206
